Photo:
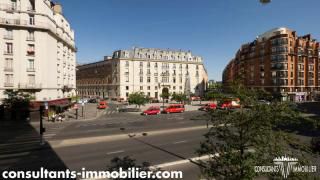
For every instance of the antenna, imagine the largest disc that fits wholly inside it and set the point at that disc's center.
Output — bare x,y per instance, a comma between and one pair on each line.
265,1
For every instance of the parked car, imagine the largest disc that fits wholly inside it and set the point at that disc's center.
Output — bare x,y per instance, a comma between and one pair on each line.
92,101
208,107
102,105
230,104
264,102
153,110
174,108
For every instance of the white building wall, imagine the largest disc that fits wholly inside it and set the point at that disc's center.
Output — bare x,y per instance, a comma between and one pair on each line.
54,47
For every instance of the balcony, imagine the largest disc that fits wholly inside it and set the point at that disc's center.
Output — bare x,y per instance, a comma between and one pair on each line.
8,37
8,53
38,25
9,7
8,84
30,38
31,70
29,86
31,9
8,69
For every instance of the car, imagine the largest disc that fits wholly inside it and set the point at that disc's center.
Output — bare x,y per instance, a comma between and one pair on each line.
262,101
102,105
208,107
92,101
174,108
230,104
153,110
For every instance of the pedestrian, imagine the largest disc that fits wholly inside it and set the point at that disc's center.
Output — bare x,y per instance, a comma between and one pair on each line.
117,108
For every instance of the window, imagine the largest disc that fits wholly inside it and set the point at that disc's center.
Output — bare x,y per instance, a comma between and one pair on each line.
31,19
156,79
30,36
156,65
156,88
148,87
8,80
8,64
31,79
30,65
9,48
180,87
141,64
9,34
148,79
127,64
141,88
30,50
174,80
127,94
141,79
127,78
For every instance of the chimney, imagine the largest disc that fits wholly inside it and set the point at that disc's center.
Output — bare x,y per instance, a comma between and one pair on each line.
57,8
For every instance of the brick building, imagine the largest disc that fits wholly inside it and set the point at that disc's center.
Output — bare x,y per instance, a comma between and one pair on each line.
278,61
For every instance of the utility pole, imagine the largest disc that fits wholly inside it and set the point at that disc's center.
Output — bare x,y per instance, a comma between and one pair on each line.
42,129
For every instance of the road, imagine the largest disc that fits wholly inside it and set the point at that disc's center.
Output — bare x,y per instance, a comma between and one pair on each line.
93,144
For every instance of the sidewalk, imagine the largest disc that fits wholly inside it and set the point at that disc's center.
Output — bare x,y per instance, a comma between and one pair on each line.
193,107
90,112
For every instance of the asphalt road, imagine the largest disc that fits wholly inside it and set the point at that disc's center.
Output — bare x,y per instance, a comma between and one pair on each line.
155,149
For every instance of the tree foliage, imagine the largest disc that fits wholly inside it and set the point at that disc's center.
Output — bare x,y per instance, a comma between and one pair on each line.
247,137
179,97
126,162
137,98
17,101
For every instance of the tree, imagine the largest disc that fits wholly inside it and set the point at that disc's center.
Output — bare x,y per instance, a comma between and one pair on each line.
179,97
244,138
126,162
17,101
137,98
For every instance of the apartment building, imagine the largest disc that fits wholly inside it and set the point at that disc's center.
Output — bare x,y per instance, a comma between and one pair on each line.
148,70
37,49
278,61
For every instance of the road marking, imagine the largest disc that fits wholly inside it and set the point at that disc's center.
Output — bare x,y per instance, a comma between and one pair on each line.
179,142
108,138
115,152
174,163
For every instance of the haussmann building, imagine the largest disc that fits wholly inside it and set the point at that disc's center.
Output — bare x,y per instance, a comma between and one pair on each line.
148,70
37,51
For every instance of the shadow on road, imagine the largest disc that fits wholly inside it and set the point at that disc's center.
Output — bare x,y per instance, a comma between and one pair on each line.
20,149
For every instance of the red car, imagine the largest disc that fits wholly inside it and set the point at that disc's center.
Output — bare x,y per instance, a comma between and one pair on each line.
230,104
153,110
208,107
174,108
102,105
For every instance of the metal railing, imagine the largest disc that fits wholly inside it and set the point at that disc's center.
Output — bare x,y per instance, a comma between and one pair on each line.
30,38
29,86
8,69
7,84
8,52
36,24
6,36
31,69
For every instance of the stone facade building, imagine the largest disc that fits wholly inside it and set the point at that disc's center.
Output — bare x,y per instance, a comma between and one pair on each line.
37,51
152,71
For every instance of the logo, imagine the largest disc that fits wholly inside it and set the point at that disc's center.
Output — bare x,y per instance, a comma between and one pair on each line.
285,165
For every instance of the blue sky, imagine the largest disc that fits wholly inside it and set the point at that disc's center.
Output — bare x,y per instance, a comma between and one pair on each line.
213,29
